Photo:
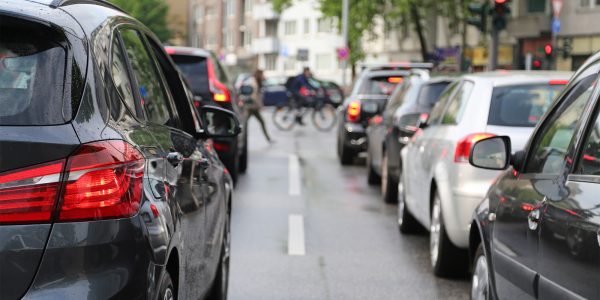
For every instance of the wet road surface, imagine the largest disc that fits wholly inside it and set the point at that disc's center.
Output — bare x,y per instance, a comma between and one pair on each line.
304,227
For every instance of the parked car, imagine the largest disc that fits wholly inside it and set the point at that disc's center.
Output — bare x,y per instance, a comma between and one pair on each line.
535,235
211,86
274,91
438,188
389,132
367,99
105,165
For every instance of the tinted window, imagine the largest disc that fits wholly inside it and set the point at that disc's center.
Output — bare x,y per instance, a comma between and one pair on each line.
121,77
154,98
430,93
438,108
32,76
383,85
521,105
458,103
194,69
552,144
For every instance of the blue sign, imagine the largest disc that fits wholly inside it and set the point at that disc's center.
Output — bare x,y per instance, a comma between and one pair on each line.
555,25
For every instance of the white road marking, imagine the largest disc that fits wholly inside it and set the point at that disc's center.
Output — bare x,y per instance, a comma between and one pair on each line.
294,175
296,235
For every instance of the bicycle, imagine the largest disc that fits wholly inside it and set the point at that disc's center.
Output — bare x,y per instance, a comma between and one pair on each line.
323,116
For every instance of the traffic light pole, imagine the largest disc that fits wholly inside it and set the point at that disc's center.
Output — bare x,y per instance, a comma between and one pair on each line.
494,49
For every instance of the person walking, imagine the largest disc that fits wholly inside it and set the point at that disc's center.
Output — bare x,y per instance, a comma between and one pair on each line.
256,103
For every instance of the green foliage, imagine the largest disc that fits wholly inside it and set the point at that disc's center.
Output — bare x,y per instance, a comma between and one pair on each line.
280,5
152,13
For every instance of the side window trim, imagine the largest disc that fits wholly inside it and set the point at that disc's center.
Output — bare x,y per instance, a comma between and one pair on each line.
457,88
116,35
588,120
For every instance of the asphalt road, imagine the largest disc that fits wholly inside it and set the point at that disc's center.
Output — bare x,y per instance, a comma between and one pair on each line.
304,227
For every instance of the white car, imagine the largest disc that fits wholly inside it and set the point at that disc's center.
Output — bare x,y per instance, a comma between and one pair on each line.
438,188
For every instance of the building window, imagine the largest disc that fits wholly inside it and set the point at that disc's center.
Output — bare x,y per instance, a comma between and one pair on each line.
306,26
324,25
228,39
271,28
247,37
248,6
289,64
536,6
230,7
323,61
270,62
199,13
210,11
210,40
289,27
589,3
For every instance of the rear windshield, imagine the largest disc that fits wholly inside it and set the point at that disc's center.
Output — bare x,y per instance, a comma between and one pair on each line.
430,93
195,71
381,85
521,105
32,76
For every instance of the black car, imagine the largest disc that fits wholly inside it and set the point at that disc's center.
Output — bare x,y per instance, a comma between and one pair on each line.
389,132
109,183
211,86
536,235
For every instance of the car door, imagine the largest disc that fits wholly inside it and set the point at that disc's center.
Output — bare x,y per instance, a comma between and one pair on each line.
569,258
521,197
185,191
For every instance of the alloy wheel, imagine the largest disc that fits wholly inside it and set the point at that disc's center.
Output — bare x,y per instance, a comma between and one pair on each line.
480,279
384,174
434,231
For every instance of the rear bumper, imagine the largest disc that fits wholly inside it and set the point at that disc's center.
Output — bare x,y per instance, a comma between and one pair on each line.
355,136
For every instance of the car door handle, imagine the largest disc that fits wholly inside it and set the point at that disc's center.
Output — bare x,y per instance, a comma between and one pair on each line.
533,219
174,158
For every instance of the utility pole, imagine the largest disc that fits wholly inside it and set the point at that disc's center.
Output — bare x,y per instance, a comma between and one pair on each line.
494,49
345,8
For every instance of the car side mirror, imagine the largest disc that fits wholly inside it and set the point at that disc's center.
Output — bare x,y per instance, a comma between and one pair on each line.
218,122
491,153
246,90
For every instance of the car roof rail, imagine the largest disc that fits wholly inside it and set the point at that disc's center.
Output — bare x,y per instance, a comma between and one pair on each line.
59,3
396,66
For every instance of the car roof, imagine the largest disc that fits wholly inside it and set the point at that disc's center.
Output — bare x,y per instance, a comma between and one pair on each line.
190,51
371,74
502,78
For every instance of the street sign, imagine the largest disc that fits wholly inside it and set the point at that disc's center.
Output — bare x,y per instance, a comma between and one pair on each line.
343,53
555,26
557,6
302,55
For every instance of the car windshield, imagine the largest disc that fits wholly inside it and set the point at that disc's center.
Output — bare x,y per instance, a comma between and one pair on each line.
380,85
521,105
32,77
194,69
430,93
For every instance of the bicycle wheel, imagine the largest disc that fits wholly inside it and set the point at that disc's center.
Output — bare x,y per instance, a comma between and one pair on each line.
284,117
324,117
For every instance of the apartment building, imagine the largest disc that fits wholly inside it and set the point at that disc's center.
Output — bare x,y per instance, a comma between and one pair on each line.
177,20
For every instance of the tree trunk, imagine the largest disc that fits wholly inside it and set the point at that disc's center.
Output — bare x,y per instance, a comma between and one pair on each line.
416,17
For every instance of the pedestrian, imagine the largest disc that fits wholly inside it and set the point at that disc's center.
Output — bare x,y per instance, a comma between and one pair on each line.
256,103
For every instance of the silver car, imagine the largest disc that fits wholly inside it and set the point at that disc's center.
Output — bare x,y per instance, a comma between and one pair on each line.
438,188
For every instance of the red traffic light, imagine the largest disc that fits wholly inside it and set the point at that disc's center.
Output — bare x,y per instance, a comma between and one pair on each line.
548,49
537,63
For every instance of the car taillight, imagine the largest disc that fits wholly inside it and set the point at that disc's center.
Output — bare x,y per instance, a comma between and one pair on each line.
218,89
463,147
353,111
221,147
104,181
29,195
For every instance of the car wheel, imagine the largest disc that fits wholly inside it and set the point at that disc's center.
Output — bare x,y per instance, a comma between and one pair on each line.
167,291
372,177
406,222
389,183
446,259
480,278
220,285
346,155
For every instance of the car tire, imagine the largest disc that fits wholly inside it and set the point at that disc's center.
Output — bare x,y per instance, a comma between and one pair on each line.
167,290
389,183
480,276
447,260
220,285
346,155
406,221
372,177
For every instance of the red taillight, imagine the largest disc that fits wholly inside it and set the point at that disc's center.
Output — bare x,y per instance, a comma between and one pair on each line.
463,147
558,82
376,120
353,111
221,147
218,89
169,50
104,181
29,195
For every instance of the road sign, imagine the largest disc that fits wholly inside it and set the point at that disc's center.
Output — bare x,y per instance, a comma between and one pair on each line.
557,6
555,26
302,55
343,53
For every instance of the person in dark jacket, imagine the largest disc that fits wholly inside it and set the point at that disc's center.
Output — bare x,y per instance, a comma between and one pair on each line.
300,88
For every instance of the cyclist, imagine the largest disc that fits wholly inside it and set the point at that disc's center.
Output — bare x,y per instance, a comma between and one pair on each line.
301,88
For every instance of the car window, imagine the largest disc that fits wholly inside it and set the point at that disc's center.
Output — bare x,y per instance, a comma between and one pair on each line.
220,73
440,106
396,99
153,95
195,71
380,85
458,103
551,145
430,93
120,76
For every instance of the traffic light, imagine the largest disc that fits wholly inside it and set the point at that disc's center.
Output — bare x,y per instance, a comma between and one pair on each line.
567,48
548,50
499,13
479,14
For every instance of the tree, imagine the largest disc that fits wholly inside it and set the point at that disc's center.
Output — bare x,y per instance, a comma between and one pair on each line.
152,13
